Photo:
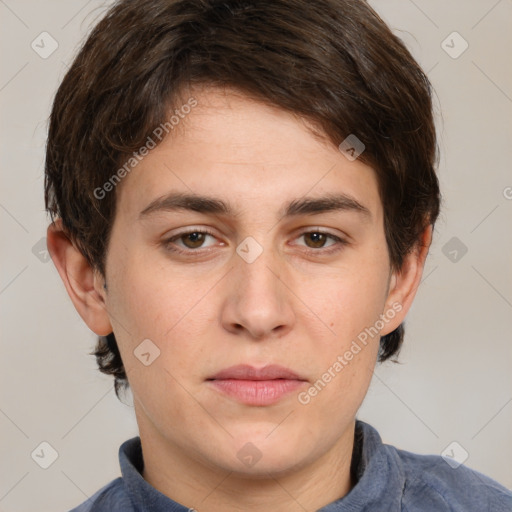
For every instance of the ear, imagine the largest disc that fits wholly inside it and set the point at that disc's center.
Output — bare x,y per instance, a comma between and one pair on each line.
404,283
83,284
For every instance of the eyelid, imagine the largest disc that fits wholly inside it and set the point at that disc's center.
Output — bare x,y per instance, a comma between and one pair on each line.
204,230
340,241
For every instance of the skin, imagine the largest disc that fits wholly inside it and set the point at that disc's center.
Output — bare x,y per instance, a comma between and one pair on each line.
205,313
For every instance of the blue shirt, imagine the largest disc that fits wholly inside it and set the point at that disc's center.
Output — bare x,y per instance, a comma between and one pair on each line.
388,479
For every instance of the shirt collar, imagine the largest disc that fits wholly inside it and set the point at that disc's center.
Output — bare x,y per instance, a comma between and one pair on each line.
143,495
375,467
379,473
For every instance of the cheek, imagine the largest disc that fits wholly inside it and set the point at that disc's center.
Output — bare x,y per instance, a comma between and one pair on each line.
347,351
140,298
149,304
345,359
350,300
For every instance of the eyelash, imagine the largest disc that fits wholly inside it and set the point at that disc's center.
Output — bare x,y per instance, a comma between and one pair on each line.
168,244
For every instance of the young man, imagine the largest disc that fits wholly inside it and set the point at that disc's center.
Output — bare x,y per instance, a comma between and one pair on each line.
243,195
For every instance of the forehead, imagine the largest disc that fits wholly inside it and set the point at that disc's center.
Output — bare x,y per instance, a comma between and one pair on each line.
249,154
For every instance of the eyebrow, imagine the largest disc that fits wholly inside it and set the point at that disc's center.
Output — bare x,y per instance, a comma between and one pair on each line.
302,206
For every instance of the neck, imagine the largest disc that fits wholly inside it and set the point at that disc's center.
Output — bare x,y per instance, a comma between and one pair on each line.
198,485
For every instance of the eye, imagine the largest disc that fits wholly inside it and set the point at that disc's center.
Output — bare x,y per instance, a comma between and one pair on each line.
191,240
315,241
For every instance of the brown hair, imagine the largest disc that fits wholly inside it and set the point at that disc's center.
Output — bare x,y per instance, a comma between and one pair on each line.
334,63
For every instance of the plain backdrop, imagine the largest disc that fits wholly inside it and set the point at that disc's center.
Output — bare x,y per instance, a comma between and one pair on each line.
454,383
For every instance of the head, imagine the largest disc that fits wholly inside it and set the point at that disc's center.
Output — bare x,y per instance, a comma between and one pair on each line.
235,118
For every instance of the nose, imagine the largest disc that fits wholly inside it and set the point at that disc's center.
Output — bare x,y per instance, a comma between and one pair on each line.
259,300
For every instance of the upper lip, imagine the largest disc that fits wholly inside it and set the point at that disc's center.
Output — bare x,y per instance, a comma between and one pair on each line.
248,372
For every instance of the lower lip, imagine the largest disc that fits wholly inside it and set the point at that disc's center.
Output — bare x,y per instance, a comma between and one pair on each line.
257,392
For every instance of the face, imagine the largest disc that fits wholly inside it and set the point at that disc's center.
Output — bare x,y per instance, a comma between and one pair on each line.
258,282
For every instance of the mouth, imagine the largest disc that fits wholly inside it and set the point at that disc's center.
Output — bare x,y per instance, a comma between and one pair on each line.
258,387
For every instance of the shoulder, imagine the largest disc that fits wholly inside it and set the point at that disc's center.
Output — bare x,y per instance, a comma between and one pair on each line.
112,498
434,483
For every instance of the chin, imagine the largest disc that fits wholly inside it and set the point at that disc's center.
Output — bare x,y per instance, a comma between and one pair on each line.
260,451
272,463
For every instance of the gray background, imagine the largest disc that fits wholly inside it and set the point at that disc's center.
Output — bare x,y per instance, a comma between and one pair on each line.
454,383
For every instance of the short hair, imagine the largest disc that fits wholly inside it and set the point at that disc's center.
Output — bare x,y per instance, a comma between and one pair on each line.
334,63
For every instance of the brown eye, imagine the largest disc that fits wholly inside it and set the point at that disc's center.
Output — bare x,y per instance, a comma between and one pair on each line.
317,239
315,243
188,242
196,239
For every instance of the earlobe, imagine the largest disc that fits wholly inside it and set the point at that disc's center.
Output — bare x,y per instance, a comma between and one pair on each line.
405,282
80,279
